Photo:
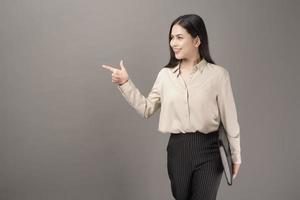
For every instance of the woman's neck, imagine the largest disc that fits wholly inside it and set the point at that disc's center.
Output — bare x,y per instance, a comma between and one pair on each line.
188,64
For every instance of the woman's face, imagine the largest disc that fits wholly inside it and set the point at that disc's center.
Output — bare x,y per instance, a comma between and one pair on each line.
182,43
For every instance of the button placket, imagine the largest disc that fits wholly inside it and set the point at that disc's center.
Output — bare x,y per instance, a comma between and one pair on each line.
192,74
187,100
188,105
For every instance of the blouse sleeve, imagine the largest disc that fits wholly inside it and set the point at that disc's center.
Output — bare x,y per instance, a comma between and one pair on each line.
229,118
145,106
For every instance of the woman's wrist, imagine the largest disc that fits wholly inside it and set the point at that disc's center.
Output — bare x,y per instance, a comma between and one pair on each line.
123,82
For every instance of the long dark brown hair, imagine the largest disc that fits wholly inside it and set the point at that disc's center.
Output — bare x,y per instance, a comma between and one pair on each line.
195,26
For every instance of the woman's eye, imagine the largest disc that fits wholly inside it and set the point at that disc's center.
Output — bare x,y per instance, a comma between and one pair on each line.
177,37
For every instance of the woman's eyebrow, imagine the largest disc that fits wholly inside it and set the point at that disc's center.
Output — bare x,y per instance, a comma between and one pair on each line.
177,34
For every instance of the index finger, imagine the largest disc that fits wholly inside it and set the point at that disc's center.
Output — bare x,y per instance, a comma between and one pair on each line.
109,68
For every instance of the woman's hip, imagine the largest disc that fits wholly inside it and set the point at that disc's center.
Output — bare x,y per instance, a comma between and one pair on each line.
194,144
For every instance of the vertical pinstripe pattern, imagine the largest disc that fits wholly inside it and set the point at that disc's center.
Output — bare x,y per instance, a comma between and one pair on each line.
194,165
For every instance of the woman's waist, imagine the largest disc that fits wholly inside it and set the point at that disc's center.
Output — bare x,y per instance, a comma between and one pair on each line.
196,133
198,139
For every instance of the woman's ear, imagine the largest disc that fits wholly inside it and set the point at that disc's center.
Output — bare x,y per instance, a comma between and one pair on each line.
197,41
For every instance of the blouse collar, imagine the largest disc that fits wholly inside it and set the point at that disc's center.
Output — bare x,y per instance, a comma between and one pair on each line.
200,66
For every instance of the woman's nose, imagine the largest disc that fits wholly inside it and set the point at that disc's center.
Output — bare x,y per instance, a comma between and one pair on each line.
172,44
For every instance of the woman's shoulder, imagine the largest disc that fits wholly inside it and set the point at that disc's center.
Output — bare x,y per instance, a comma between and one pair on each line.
164,71
161,73
218,70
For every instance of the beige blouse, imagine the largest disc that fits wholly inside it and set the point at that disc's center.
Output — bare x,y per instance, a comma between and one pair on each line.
196,104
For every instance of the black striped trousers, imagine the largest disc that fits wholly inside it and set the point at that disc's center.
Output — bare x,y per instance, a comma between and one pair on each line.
194,165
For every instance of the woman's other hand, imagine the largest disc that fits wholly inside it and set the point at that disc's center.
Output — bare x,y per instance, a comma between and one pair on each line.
236,167
119,76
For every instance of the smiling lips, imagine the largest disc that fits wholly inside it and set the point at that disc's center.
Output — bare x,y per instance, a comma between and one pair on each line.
176,50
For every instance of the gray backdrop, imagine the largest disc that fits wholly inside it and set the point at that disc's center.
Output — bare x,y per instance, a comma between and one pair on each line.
66,131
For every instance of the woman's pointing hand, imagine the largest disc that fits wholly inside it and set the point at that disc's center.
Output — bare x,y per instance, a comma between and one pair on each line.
119,76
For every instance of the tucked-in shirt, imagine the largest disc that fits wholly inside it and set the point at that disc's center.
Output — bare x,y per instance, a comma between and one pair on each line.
195,104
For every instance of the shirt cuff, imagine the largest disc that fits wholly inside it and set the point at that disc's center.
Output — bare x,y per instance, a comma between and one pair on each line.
236,159
126,86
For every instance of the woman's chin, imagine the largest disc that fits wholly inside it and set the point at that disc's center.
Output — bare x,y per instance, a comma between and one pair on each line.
178,57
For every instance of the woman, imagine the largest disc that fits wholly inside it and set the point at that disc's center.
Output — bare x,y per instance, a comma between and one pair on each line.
194,94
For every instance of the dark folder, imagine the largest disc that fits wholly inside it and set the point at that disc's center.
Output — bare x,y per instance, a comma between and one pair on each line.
225,153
